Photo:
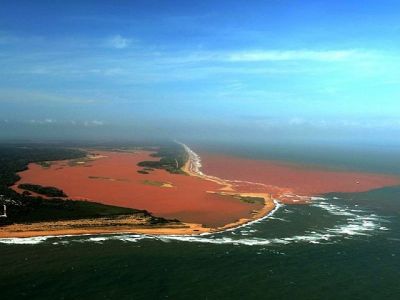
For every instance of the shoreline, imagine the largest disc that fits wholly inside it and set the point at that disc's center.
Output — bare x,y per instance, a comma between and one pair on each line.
72,228
192,167
130,225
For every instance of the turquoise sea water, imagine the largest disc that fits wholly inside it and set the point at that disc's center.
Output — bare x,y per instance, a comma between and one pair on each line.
343,246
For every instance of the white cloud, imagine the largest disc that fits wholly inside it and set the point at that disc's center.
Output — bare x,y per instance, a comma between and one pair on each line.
296,121
93,123
277,55
48,121
118,42
45,121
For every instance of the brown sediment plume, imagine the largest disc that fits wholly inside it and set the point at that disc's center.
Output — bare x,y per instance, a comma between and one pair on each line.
112,179
290,180
204,202
242,187
192,166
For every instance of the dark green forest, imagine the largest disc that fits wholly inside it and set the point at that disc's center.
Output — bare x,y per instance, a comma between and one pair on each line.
48,191
172,158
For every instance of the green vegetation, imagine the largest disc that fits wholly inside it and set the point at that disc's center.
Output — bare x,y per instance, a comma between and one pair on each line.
25,208
172,158
48,191
39,209
98,177
143,172
44,164
15,158
245,199
252,200
157,183
107,178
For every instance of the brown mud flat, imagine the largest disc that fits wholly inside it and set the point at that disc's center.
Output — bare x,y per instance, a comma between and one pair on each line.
112,179
286,180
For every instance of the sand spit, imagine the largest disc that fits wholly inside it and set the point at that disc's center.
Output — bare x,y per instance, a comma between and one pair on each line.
193,168
241,186
269,206
120,224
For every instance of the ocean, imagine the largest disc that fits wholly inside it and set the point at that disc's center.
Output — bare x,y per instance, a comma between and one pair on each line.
342,246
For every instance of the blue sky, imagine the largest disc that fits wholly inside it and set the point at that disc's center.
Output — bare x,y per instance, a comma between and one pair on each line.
212,68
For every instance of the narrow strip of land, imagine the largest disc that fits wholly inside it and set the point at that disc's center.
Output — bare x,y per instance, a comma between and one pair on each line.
120,224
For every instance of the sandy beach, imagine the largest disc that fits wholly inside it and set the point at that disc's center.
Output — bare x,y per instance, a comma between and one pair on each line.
98,226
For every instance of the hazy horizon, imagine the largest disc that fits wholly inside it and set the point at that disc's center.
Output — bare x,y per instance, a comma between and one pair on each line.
205,71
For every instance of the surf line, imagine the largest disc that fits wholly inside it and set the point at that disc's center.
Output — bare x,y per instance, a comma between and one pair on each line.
193,168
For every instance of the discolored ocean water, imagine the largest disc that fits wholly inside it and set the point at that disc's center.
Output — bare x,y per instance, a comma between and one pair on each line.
343,246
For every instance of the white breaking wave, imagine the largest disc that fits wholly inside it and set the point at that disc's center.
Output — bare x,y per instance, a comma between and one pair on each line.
195,167
355,224
277,206
195,160
25,241
358,222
